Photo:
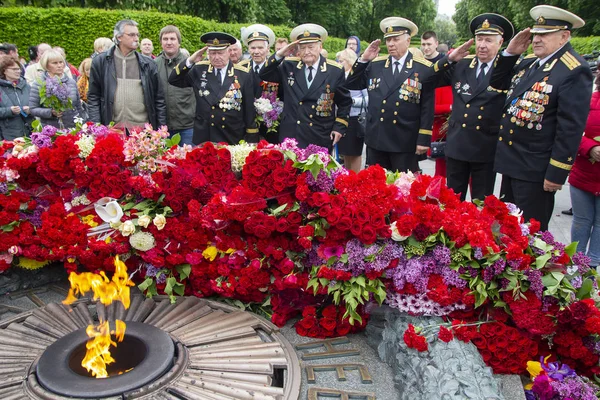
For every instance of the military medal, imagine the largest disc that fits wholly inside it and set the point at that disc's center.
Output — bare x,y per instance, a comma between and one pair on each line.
291,79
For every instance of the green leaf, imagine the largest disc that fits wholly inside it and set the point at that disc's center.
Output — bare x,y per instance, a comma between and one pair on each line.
585,289
146,284
170,285
174,140
571,249
549,280
360,280
542,260
278,210
184,271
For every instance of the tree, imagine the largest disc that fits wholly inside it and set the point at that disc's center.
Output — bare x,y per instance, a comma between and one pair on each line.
445,29
517,11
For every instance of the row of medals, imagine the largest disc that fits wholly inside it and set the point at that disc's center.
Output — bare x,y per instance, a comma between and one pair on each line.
528,110
411,91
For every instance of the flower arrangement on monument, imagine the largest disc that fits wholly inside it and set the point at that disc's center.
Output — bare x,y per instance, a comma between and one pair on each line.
291,234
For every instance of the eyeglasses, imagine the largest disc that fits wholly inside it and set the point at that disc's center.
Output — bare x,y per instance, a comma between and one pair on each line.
132,34
14,69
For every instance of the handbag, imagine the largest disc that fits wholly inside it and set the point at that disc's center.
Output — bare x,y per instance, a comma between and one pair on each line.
438,148
361,129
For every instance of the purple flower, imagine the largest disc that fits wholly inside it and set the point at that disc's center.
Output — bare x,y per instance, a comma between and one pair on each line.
3,188
534,276
547,237
49,130
556,371
333,251
41,140
56,88
574,387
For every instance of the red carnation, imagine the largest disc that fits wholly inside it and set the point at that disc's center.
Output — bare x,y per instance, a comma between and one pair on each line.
445,334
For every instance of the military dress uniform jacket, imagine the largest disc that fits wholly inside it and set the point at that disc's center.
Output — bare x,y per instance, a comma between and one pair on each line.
400,111
309,114
544,115
224,113
476,111
259,84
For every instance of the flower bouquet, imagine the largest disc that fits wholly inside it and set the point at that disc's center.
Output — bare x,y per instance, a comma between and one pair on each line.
268,109
557,381
54,94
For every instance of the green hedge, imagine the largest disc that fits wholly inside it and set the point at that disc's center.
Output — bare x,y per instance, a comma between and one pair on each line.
75,29
586,45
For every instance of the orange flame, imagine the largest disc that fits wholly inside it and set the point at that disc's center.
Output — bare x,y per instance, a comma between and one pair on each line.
98,356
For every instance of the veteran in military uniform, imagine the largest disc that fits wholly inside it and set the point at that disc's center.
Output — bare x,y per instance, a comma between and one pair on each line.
401,98
545,112
259,39
476,110
224,92
313,88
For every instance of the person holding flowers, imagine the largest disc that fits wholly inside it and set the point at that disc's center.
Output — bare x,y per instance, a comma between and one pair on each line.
54,98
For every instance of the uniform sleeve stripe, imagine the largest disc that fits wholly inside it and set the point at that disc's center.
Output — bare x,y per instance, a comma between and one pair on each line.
342,121
560,165
255,130
425,132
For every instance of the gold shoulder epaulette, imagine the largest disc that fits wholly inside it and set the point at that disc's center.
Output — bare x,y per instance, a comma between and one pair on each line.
244,62
204,62
241,68
380,58
570,61
527,57
292,59
335,64
423,61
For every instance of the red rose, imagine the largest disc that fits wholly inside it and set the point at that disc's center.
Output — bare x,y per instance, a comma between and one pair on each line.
320,198
330,311
368,235
328,324
306,231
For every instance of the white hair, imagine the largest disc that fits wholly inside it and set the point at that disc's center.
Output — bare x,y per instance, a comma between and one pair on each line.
119,29
237,44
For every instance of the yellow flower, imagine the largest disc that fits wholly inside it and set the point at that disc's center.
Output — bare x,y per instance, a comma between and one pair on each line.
210,253
89,220
30,264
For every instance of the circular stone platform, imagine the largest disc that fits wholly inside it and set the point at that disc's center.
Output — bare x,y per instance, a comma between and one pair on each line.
221,352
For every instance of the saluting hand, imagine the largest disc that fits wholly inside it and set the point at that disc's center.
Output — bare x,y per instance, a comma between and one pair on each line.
520,43
461,51
291,48
197,56
372,51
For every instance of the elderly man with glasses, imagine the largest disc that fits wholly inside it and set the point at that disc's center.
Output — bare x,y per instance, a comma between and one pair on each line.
124,86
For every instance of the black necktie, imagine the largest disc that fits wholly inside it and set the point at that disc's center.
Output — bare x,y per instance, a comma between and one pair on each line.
256,69
310,75
481,75
396,68
219,76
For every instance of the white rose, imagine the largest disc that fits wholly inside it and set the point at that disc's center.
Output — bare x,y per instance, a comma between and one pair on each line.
127,228
159,221
144,221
